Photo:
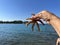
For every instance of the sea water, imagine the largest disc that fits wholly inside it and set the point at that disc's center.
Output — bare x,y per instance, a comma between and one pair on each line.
19,34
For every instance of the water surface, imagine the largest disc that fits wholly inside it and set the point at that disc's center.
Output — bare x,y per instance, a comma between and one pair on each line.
19,34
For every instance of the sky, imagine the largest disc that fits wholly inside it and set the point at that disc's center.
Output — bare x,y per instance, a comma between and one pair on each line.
21,9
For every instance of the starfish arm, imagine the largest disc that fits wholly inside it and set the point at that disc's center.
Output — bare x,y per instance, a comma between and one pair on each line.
29,19
28,23
38,26
41,22
33,26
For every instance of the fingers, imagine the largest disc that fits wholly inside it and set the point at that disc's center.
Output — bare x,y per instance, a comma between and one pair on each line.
58,41
39,15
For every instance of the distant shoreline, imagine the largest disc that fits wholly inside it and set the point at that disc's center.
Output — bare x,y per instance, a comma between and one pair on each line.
13,22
